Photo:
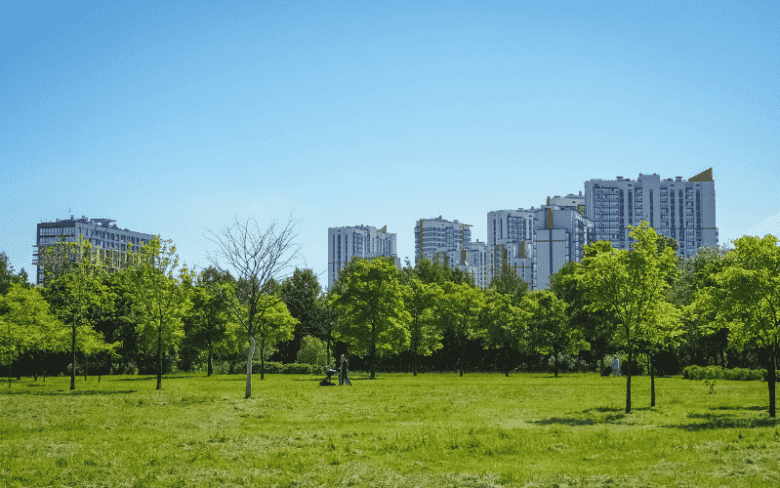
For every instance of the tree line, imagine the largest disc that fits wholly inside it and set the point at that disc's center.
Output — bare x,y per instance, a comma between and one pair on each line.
658,311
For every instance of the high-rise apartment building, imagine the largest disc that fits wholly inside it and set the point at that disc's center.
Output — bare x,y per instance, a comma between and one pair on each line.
362,241
511,234
536,243
110,241
681,209
561,236
449,242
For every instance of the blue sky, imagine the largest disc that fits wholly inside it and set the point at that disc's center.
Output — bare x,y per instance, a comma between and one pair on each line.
175,118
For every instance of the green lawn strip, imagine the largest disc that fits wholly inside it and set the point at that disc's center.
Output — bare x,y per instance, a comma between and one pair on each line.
429,430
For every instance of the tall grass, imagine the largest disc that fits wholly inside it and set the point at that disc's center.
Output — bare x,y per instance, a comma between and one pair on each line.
434,430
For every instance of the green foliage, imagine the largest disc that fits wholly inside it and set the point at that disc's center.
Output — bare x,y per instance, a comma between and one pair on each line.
160,300
273,323
503,326
275,367
551,330
419,300
313,351
373,316
456,313
300,292
208,323
507,282
77,294
694,372
746,296
631,287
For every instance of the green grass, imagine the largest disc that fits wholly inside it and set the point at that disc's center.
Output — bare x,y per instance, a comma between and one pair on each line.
435,430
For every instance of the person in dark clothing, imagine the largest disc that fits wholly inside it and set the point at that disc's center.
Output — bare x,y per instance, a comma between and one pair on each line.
344,370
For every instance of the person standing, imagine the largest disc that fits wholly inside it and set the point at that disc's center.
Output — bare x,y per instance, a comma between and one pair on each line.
344,371
616,366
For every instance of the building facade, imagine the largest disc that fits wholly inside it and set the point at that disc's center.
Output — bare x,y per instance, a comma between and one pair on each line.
362,241
109,241
681,209
561,236
537,242
449,242
511,234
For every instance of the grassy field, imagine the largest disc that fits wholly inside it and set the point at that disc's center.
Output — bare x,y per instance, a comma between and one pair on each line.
434,430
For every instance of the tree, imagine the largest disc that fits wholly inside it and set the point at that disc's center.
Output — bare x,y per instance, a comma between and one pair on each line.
29,325
75,291
160,299
207,323
508,283
455,314
694,275
663,329
299,292
629,285
596,328
747,299
502,326
326,321
550,328
255,257
419,300
8,276
274,324
371,298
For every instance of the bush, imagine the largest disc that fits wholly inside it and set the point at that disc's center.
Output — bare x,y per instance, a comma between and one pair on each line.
274,367
694,372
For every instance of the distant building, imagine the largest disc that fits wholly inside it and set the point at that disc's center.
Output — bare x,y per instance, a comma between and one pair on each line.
362,241
110,241
449,242
561,236
511,234
681,209
536,243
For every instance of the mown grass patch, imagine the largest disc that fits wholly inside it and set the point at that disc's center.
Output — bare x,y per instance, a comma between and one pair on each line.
434,430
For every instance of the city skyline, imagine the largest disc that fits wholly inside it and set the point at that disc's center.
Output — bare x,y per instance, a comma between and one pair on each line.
177,119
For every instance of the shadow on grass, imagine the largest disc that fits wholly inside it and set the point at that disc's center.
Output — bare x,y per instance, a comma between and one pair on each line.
766,409
70,392
604,409
149,378
723,421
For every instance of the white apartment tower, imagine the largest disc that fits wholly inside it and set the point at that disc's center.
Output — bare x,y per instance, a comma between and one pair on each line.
681,209
362,241
511,234
110,241
449,242
536,243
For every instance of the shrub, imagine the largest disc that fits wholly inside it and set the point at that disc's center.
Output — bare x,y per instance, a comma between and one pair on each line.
694,372
275,367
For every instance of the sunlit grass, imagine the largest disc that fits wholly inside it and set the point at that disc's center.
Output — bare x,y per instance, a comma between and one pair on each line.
398,430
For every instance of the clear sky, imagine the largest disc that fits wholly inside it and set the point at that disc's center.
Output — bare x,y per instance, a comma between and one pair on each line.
175,118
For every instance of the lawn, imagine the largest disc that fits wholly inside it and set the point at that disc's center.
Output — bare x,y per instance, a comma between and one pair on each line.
434,430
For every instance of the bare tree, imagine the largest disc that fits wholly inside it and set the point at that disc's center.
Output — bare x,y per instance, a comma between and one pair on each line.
254,257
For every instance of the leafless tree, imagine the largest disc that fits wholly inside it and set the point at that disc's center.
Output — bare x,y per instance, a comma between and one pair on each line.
254,257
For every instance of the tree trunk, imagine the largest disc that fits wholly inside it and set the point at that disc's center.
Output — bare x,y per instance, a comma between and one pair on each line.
555,362
159,357
771,378
250,355
262,359
628,379
373,351
211,348
327,351
652,381
414,355
73,356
